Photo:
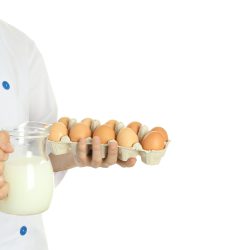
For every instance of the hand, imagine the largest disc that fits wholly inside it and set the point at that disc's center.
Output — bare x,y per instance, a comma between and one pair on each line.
5,149
82,159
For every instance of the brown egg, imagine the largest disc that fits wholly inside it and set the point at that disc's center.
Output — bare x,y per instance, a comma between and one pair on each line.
153,141
105,133
65,121
135,126
57,131
4,137
127,137
162,131
111,123
78,131
87,122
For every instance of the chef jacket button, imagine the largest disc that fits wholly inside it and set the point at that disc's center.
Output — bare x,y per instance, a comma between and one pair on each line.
23,230
6,85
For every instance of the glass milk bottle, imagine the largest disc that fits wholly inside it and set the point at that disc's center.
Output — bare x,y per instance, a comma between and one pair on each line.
28,172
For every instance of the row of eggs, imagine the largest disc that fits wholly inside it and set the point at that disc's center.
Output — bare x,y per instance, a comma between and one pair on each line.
155,139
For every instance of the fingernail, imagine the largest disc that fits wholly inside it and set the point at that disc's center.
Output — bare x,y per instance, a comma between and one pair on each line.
112,142
82,140
96,138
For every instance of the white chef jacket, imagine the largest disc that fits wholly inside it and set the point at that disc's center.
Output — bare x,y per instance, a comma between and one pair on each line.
25,94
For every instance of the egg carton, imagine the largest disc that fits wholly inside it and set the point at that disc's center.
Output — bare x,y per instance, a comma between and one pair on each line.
149,157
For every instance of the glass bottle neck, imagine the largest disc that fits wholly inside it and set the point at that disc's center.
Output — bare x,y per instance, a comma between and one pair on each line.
29,147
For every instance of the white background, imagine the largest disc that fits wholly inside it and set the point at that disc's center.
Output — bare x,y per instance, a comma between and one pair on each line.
183,65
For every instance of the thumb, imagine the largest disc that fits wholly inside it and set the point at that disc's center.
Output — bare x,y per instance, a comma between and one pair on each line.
6,147
129,163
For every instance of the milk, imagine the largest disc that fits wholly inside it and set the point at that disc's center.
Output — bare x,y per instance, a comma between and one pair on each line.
31,183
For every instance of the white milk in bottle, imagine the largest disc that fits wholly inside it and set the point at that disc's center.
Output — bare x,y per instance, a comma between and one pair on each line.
28,172
30,185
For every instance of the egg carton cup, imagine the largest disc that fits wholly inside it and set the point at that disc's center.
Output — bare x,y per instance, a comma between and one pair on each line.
125,153
153,157
142,132
118,127
61,147
149,157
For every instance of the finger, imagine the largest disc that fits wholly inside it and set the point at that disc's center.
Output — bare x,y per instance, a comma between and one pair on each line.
6,147
96,152
1,168
4,191
3,156
2,181
81,152
129,163
112,154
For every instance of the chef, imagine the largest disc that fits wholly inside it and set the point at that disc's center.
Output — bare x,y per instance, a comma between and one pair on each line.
26,94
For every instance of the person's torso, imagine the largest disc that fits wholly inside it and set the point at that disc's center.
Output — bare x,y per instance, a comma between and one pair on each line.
16,232
22,232
13,77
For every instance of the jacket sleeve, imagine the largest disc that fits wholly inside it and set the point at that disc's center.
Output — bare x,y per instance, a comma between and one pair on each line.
42,103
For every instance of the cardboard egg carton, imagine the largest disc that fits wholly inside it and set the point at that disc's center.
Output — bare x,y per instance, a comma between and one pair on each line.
149,157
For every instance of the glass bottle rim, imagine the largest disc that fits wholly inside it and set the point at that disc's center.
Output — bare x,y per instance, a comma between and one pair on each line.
30,130
29,133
